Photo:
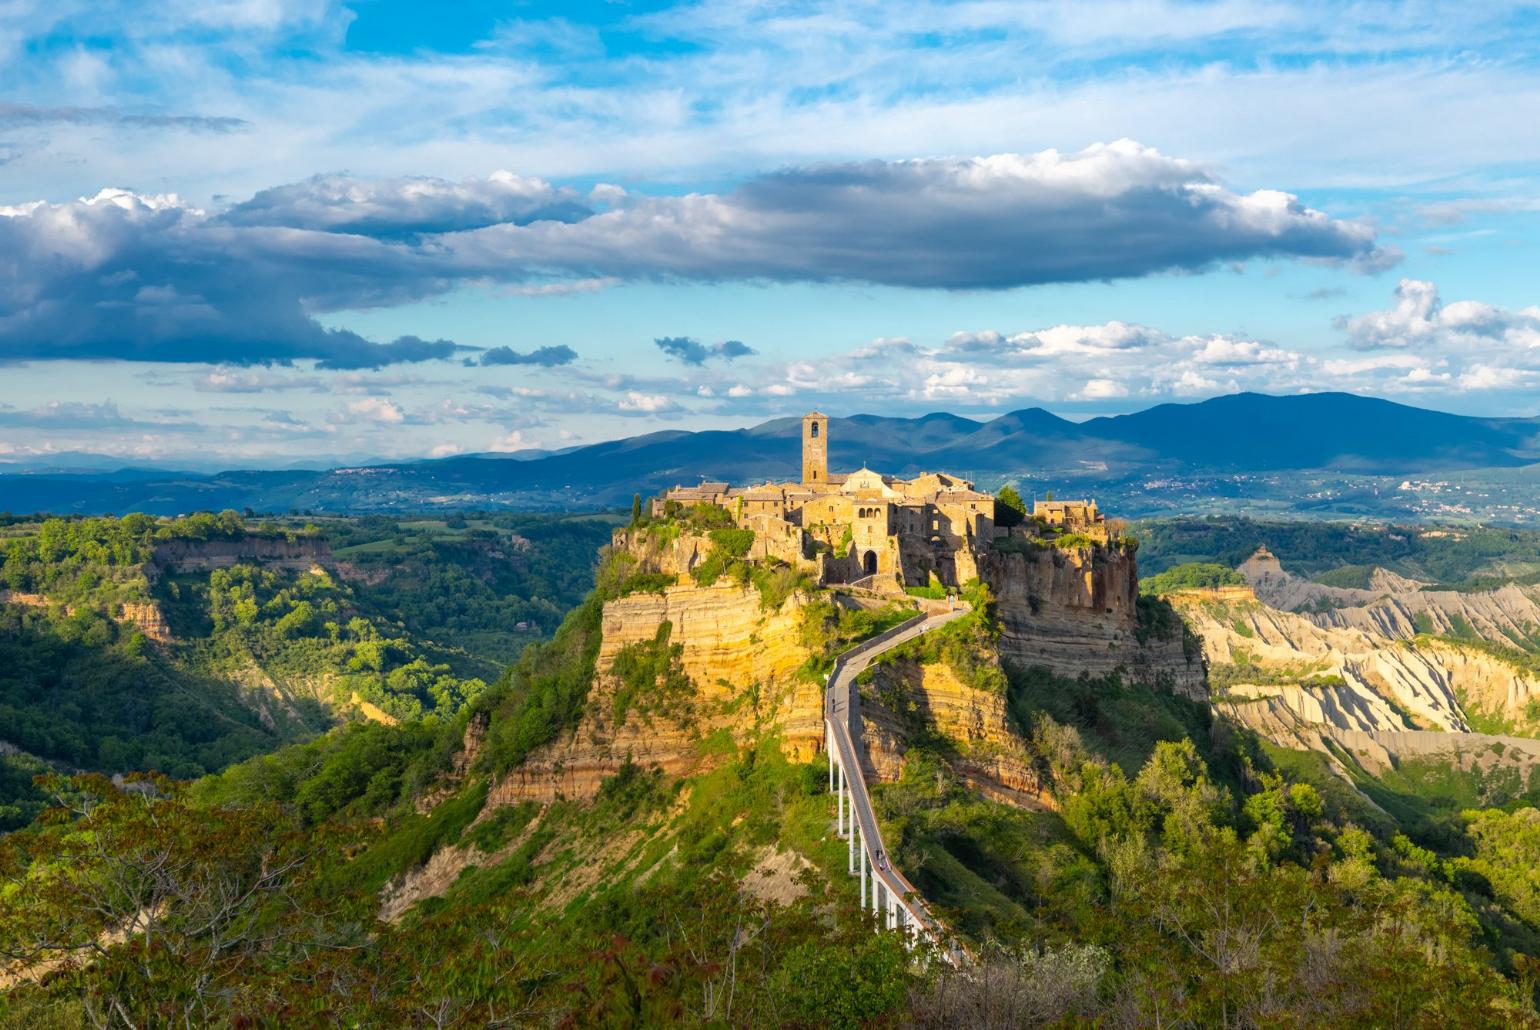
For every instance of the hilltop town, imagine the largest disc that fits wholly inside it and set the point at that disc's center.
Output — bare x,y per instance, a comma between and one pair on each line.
879,531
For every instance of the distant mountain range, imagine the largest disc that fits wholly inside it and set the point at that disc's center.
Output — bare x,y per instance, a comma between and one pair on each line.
1240,433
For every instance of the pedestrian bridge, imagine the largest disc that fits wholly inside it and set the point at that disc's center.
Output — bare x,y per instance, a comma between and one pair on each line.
883,888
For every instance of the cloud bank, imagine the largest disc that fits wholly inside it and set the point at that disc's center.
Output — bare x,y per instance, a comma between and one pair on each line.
1110,211
138,277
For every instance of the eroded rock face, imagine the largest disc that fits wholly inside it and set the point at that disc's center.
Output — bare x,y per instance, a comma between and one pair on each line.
297,555
1379,678
990,754
1075,612
742,663
148,618
1395,606
1376,650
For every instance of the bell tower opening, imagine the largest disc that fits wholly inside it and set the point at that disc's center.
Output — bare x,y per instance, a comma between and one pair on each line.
815,448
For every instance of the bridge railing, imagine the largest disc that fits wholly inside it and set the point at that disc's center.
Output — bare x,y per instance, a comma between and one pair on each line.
908,910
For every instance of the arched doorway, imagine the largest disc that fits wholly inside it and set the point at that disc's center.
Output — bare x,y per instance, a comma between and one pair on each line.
869,563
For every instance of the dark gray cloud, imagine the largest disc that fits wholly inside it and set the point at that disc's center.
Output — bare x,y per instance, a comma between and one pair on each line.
13,115
352,351
547,357
1111,211
124,276
120,276
692,352
404,207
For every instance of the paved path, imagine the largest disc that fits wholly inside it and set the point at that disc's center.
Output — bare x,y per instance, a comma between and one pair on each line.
891,893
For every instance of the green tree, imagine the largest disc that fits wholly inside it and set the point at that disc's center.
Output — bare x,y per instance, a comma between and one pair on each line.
1010,509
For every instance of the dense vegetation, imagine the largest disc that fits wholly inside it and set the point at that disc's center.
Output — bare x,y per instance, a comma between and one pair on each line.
1191,576
1185,874
409,617
1210,887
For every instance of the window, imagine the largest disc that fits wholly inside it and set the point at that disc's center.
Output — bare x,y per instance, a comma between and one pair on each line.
815,430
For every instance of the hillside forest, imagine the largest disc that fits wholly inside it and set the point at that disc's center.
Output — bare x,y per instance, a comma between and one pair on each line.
113,662
329,744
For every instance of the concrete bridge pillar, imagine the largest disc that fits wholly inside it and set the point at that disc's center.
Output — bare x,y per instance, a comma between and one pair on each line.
863,878
851,848
839,799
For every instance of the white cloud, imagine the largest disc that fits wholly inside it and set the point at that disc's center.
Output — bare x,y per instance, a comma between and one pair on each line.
1109,211
636,403
517,440
376,409
1417,318
1101,390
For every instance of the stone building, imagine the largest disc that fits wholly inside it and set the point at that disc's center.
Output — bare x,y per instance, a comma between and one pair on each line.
861,526
1072,517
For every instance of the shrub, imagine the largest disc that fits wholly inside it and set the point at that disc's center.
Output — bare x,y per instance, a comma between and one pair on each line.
933,590
776,581
544,692
728,549
651,677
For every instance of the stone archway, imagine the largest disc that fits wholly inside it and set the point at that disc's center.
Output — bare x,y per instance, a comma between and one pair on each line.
869,563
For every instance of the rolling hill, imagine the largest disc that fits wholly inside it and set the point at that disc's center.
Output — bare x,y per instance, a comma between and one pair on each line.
1244,432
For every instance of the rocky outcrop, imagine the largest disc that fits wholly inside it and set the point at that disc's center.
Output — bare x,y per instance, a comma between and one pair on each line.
1395,606
1382,648
1385,677
904,698
148,618
1509,613
298,554
741,661
1278,711
1359,684
1279,715
1072,610
657,550
1076,612
1288,592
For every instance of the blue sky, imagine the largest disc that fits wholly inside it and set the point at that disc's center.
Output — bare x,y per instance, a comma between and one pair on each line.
274,230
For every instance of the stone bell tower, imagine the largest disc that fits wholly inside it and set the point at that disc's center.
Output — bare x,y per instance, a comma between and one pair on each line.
815,449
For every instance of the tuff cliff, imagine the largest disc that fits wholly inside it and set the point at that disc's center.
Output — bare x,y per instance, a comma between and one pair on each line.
298,554
906,700
1076,611
682,662
739,663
